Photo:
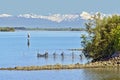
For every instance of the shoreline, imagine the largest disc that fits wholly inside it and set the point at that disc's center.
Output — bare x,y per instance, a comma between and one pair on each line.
111,63
57,67
63,67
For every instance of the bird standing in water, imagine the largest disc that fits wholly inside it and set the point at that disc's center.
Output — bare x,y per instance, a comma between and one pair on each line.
28,40
28,35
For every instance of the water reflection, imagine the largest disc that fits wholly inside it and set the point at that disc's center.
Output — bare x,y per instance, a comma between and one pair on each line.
28,43
102,74
65,57
74,74
73,56
62,56
54,56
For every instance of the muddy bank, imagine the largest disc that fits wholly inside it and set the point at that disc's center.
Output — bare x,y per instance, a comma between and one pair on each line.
111,63
59,66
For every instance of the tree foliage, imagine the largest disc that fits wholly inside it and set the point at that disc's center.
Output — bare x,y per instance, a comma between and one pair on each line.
103,37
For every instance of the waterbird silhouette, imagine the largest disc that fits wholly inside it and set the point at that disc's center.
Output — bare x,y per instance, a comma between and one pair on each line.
45,55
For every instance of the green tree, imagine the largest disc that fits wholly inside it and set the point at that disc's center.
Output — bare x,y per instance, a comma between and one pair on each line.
115,34
103,34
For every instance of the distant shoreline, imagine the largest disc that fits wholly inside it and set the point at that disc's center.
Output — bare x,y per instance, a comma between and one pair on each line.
48,29
13,29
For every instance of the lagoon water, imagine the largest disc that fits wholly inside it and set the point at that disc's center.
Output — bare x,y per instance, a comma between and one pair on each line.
80,74
16,51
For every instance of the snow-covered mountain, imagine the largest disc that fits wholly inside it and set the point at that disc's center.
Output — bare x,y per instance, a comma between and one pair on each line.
33,20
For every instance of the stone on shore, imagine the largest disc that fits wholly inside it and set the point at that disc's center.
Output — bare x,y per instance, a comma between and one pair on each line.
111,63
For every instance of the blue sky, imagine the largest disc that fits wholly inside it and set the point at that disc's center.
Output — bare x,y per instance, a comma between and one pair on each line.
45,7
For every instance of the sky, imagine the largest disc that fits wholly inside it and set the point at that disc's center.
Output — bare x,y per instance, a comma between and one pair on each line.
46,7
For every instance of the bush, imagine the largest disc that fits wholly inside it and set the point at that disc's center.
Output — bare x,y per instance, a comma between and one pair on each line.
104,37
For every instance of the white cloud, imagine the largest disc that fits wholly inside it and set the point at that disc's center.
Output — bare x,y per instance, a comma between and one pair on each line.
5,15
85,15
54,17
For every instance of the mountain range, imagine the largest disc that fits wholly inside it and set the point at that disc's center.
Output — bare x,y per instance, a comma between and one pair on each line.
40,21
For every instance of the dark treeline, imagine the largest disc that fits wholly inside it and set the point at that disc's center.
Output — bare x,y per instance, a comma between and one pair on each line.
40,29
50,29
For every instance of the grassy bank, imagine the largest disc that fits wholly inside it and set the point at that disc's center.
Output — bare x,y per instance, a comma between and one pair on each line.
7,29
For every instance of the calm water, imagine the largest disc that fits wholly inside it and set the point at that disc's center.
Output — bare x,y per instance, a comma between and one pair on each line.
15,51
80,74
